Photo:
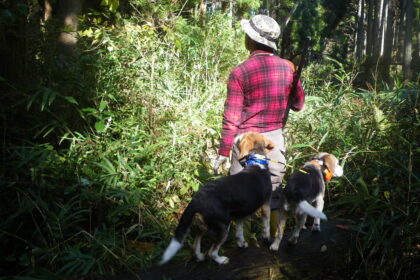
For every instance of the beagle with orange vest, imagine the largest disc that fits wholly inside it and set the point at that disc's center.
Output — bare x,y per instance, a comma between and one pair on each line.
230,198
306,186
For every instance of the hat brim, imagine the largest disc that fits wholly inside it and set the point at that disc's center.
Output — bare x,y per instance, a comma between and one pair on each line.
246,26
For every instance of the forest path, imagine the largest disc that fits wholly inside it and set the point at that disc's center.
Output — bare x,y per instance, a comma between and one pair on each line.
305,260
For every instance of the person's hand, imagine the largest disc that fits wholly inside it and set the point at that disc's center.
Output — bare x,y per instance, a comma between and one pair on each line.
219,161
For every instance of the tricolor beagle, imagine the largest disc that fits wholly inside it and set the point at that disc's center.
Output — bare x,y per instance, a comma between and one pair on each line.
305,186
233,197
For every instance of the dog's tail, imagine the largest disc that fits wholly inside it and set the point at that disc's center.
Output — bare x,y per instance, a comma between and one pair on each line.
312,211
180,231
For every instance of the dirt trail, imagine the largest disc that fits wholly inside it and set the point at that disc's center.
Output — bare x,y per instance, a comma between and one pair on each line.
306,260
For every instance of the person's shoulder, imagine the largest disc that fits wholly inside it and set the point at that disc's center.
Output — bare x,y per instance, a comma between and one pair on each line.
288,63
239,69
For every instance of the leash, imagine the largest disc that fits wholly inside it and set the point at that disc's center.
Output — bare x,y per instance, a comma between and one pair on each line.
260,159
288,165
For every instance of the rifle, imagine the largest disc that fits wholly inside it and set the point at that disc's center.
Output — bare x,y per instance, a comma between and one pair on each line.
296,78
305,50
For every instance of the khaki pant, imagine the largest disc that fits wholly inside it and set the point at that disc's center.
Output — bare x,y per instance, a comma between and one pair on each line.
277,170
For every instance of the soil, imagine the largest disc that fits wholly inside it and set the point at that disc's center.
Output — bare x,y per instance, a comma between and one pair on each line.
321,255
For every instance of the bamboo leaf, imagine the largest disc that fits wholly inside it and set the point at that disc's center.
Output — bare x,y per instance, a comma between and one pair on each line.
71,99
100,126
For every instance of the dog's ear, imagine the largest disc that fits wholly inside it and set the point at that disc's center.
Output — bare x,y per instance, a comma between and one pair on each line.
269,145
330,162
245,145
320,156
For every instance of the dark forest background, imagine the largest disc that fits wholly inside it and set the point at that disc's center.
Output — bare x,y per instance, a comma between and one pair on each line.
111,114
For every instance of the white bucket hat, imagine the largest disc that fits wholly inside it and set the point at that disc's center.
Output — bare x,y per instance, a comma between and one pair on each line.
262,29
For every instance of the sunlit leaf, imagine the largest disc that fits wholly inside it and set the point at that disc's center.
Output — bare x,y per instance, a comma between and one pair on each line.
71,99
100,126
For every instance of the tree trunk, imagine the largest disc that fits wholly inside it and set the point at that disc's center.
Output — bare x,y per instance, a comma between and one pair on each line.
401,29
369,36
408,40
289,16
384,27
377,30
274,10
202,11
225,5
68,13
47,10
360,34
387,45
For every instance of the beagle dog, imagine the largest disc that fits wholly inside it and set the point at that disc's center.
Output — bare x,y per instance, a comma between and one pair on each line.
306,186
229,198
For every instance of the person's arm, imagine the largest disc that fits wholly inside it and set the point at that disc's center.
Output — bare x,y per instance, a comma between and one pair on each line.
298,96
232,114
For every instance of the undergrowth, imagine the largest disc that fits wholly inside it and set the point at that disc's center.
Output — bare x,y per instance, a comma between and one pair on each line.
99,197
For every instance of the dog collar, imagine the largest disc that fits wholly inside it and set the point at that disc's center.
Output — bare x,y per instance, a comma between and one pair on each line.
254,159
328,174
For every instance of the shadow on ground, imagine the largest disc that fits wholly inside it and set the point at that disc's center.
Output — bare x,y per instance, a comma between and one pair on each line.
321,255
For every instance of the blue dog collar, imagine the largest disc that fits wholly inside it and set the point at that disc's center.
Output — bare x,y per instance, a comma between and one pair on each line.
255,159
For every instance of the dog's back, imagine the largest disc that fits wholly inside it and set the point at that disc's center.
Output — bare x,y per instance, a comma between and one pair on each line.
305,184
234,196
223,200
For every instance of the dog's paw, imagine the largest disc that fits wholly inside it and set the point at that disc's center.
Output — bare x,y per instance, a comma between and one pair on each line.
266,235
303,227
242,244
316,227
200,257
222,260
293,240
274,246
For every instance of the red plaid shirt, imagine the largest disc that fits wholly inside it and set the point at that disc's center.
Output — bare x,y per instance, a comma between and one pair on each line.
257,97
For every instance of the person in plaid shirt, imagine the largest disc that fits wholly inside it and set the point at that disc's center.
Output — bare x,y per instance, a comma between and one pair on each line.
258,97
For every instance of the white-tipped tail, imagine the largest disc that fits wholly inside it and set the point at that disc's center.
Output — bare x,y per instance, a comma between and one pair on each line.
312,211
172,249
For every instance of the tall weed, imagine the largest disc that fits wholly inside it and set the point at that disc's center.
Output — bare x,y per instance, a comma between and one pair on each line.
375,133
101,204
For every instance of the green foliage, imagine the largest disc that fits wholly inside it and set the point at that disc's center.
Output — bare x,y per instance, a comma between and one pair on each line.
94,205
307,22
248,4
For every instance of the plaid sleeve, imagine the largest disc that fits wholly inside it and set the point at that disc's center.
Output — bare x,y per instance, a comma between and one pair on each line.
298,98
232,114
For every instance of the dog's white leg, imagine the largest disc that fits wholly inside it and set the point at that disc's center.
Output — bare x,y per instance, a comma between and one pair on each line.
240,234
300,221
197,248
304,220
214,249
320,206
266,211
281,222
